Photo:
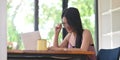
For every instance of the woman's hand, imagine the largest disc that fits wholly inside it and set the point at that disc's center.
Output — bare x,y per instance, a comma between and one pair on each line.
55,48
58,28
51,48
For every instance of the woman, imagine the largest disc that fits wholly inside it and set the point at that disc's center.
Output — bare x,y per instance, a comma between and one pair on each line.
77,37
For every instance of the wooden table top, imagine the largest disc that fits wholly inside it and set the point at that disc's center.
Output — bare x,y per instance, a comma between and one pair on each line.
49,52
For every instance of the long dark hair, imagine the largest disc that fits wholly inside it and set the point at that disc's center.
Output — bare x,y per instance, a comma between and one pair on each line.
73,18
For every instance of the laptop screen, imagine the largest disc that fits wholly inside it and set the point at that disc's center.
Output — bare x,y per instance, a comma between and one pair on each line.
29,40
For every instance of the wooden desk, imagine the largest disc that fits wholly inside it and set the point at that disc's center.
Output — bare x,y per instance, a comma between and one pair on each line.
34,54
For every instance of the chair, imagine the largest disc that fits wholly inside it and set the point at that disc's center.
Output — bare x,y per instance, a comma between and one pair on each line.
29,40
109,54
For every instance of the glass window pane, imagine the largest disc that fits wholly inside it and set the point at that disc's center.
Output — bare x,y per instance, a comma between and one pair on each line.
49,17
20,19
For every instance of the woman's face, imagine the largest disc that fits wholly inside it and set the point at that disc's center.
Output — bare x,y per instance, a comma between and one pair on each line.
66,25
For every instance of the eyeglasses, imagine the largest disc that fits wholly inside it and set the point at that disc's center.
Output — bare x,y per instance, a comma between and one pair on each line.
64,24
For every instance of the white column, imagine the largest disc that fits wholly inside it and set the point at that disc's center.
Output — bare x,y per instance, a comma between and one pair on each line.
3,33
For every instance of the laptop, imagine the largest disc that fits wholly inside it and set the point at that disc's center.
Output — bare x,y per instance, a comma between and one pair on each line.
29,40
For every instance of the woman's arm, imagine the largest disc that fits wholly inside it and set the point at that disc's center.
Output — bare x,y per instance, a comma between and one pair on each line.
55,43
87,38
64,43
57,31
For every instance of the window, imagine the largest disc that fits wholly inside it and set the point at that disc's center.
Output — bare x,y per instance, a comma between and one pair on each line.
20,17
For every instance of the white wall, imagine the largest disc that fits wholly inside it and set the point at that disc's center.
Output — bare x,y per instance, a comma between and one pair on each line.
3,49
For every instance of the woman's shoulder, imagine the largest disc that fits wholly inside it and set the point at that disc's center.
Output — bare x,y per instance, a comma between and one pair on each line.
86,31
